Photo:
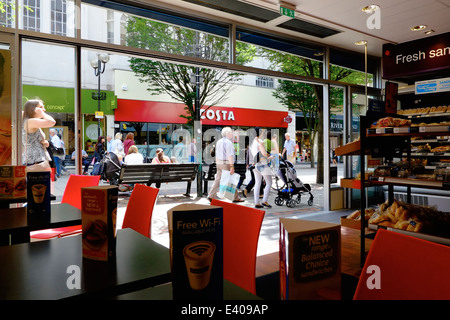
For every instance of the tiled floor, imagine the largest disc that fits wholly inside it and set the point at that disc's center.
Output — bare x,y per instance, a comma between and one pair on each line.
172,194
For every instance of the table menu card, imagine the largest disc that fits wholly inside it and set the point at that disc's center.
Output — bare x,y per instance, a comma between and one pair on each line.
38,194
196,248
98,216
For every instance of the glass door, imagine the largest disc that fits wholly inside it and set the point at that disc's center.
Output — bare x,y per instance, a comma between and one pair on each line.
357,105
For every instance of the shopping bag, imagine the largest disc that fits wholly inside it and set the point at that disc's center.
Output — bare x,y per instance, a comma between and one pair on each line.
228,185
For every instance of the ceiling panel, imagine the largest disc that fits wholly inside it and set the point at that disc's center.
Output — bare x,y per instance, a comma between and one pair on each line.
344,16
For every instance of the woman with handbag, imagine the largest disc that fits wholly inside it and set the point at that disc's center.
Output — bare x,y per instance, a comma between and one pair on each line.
35,156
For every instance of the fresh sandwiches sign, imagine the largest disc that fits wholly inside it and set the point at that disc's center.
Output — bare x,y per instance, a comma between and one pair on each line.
416,57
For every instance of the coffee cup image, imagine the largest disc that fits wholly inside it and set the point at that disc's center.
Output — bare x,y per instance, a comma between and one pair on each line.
95,234
38,191
198,257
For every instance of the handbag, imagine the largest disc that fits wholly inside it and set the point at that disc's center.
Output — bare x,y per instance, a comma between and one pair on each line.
228,185
41,166
58,152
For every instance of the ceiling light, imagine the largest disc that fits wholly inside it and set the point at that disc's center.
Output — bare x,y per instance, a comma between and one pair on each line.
418,28
429,31
361,42
370,8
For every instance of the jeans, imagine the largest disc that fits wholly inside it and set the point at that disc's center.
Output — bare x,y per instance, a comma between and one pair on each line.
58,166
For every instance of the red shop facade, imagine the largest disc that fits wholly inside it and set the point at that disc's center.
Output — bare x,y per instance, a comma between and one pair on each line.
153,122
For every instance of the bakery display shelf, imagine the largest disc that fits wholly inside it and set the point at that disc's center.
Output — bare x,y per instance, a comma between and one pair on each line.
436,140
407,182
420,235
409,131
351,148
428,154
410,182
367,138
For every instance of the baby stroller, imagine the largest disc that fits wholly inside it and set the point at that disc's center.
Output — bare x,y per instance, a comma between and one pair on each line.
292,186
111,168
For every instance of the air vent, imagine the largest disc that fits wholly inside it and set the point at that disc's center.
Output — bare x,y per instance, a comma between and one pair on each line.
249,11
308,28
238,8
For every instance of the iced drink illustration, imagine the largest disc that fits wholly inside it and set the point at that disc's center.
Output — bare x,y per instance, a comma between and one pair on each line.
198,257
38,191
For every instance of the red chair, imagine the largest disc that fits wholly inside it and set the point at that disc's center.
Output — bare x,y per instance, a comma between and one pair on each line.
241,228
402,267
138,215
72,196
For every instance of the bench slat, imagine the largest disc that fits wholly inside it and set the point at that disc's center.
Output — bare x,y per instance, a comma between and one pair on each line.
148,173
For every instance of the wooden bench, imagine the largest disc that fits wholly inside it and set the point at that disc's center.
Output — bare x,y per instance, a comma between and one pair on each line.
240,168
148,173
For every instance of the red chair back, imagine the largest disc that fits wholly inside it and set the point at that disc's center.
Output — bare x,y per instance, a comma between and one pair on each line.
241,227
72,193
138,215
402,267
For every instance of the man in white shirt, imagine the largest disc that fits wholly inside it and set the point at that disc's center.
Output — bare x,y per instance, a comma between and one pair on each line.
224,161
57,143
289,149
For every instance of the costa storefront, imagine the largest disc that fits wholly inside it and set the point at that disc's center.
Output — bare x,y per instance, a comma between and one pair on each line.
156,121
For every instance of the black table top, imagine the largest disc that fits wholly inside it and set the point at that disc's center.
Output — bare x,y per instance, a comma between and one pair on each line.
165,292
39,270
62,215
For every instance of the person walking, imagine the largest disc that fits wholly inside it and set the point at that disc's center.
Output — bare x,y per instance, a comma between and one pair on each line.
108,143
57,143
250,162
289,149
224,161
263,171
117,145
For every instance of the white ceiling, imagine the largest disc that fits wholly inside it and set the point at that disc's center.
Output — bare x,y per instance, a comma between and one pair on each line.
397,17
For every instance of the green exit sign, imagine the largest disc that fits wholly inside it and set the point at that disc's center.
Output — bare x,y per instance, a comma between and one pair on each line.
287,12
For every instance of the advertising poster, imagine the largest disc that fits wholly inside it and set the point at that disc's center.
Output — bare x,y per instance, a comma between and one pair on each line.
5,107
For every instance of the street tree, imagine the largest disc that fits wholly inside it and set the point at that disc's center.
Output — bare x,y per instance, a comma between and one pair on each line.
176,79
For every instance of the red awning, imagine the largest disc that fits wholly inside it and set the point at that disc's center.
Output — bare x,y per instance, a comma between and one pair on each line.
167,112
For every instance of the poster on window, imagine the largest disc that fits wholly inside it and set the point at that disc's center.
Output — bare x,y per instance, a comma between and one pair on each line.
5,108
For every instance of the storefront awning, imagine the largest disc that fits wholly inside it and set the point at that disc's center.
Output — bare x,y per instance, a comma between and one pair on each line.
168,112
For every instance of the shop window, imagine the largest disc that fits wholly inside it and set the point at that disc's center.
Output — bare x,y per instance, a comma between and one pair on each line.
123,29
7,14
110,26
32,15
59,17
264,82
158,31
274,50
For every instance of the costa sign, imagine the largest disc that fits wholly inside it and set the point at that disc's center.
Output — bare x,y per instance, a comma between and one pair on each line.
217,115
167,112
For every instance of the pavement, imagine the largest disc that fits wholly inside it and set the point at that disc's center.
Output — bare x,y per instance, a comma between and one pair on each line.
172,194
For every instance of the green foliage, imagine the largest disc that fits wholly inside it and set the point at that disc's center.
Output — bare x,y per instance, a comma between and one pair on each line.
174,79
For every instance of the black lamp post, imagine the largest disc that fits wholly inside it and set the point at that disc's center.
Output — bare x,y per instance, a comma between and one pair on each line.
99,67
199,51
